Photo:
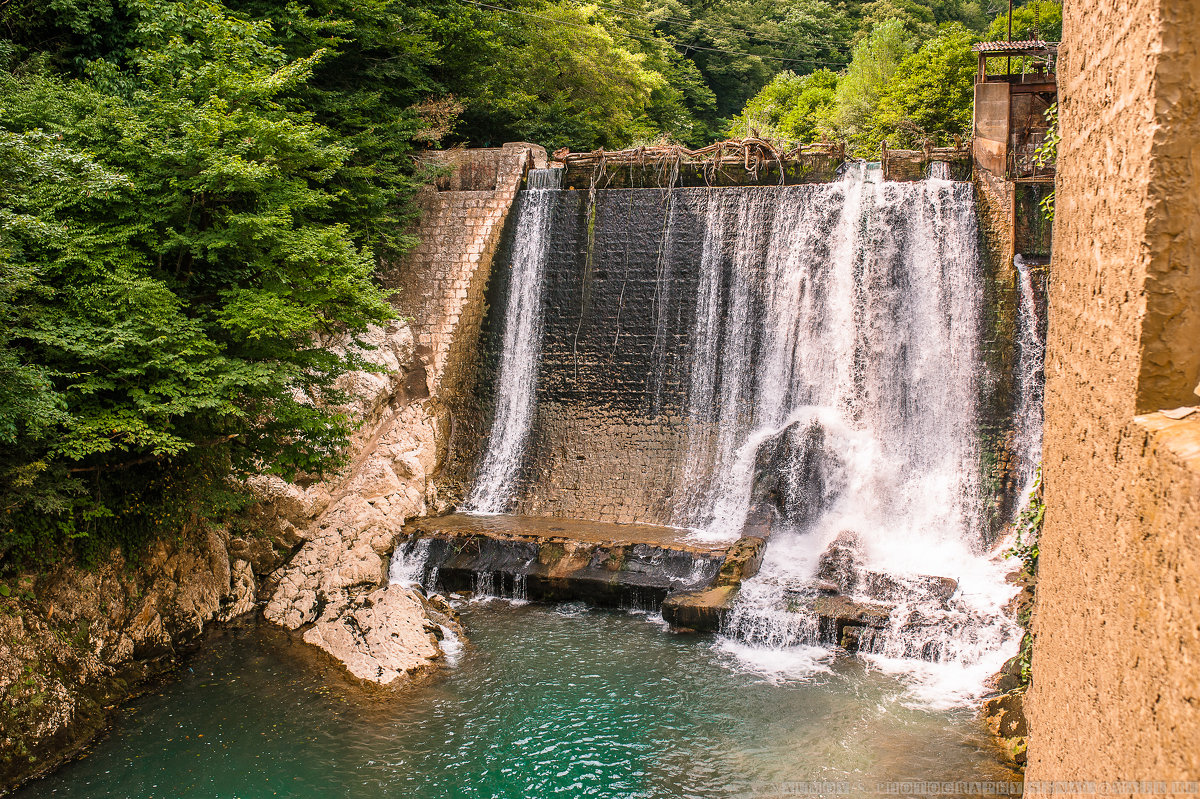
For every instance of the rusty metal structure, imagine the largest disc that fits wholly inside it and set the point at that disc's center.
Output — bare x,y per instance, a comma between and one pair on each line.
1010,109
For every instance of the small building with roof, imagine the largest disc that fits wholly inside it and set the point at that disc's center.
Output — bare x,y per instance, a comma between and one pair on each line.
1014,86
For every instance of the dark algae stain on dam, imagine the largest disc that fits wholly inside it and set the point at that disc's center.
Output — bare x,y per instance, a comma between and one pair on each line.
545,701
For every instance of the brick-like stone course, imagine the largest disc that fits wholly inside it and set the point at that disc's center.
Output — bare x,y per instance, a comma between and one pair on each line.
442,283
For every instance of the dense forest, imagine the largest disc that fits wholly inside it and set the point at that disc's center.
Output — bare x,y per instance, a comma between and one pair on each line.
194,197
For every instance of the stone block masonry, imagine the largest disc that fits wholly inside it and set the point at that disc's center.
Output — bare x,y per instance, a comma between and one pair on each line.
441,284
609,431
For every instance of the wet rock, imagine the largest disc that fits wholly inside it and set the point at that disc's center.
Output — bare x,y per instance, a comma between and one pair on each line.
1005,718
840,563
607,564
890,588
698,611
1008,678
841,569
842,611
742,561
797,473
849,623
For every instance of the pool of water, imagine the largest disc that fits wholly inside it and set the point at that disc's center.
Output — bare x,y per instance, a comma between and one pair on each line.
544,701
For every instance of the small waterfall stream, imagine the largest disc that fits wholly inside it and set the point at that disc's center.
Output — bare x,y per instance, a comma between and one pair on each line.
516,388
1031,356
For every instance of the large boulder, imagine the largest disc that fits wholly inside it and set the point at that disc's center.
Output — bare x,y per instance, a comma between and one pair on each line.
798,473
385,636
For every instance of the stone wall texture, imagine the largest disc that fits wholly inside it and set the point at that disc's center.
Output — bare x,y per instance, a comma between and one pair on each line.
1116,670
441,284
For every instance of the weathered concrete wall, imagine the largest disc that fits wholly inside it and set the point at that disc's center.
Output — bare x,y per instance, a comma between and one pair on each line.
608,431
1116,671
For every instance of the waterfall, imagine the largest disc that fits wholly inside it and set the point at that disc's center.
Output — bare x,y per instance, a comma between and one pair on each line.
852,307
1031,354
829,376
835,381
516,387
939,170
408,566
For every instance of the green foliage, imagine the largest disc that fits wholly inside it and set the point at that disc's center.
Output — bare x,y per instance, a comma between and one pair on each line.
930,95
1029,528
1037,19
169,263
1047,155
1026,549
876,61
910,80
790,108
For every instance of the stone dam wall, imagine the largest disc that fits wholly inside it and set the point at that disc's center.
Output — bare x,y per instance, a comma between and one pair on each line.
609,431
1116,682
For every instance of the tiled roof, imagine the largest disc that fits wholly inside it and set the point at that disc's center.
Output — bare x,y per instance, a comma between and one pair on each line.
989,47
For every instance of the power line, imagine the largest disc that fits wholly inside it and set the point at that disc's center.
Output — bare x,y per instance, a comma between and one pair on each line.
655,40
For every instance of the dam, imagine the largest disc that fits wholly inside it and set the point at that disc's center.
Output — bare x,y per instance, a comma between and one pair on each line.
719,480
769,411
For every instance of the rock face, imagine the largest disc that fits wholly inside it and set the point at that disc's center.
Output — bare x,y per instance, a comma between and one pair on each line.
74,641
333,588
703,610
601,563
387,635
797,474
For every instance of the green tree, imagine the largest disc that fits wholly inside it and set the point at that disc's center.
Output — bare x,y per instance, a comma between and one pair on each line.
929,97
876,60
174,316
790,107
1037,19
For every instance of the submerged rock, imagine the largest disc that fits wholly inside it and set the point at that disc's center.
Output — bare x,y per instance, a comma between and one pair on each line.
1005,718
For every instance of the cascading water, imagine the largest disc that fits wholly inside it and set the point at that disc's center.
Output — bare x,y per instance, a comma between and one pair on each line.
516,387
1031,355
831,379
835,381
409,565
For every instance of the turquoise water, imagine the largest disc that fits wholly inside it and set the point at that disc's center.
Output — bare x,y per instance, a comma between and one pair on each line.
545,701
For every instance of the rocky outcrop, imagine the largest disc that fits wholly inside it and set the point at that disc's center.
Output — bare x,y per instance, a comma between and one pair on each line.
601,563
386,636
333,588
703,610
76,640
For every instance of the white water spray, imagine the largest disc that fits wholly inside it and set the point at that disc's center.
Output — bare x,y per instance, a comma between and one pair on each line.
835,375
1031,355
